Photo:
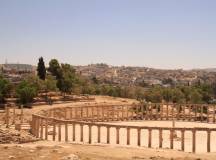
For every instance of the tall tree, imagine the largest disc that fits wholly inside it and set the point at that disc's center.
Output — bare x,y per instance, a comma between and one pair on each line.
67,79
41,69
55,69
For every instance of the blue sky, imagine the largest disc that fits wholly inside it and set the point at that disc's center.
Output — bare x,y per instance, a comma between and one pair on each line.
153,33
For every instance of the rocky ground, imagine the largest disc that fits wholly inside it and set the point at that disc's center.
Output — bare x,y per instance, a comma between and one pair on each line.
11,136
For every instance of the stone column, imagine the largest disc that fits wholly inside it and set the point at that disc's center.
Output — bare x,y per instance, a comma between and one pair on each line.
87,112
75,112
151,112
107,113
66,132
137,112
194,140
173,105
65,112
108,134
113,113
102,113
7,116
189,112
195,119
214,113
142,110
71,112
46,129
33,125
122,113
117,114
184,115
201,113
182,139
59,132
167,111
74,132
171,138
177,111
209,140
160,138
54,131
161,111
82,117
138,136
128,113
81,132
128,136
98,113
41,129
14,114
117,135
21,118
158,111
37,126
99,134
150,137
207,113
90,134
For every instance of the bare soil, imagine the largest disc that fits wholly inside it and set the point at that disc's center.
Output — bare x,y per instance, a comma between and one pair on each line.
56,151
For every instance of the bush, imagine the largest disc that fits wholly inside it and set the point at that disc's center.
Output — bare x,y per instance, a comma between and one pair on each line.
26,92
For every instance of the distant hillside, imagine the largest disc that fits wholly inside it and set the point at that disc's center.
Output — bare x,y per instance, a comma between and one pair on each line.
18,67
210,70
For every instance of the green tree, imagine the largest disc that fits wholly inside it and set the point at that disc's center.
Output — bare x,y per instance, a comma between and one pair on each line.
5,89
177,96
55,68
139,93
195,97
68,79
154,95
167,94
50,84
36,82
41,69
26,92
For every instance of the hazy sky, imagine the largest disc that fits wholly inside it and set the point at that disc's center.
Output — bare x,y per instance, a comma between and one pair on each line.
152,33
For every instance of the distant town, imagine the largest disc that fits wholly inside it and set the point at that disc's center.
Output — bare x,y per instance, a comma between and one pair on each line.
124,75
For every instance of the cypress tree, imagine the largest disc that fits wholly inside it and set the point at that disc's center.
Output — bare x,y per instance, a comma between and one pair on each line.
41,69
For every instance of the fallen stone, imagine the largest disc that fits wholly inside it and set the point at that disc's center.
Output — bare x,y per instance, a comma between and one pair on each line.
55,150
39,147
31,151
11,157
70,157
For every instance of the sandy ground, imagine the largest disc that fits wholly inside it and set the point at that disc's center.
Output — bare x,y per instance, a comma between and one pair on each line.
56,151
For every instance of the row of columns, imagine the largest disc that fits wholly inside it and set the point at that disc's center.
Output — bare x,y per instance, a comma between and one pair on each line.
147,112
40,130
